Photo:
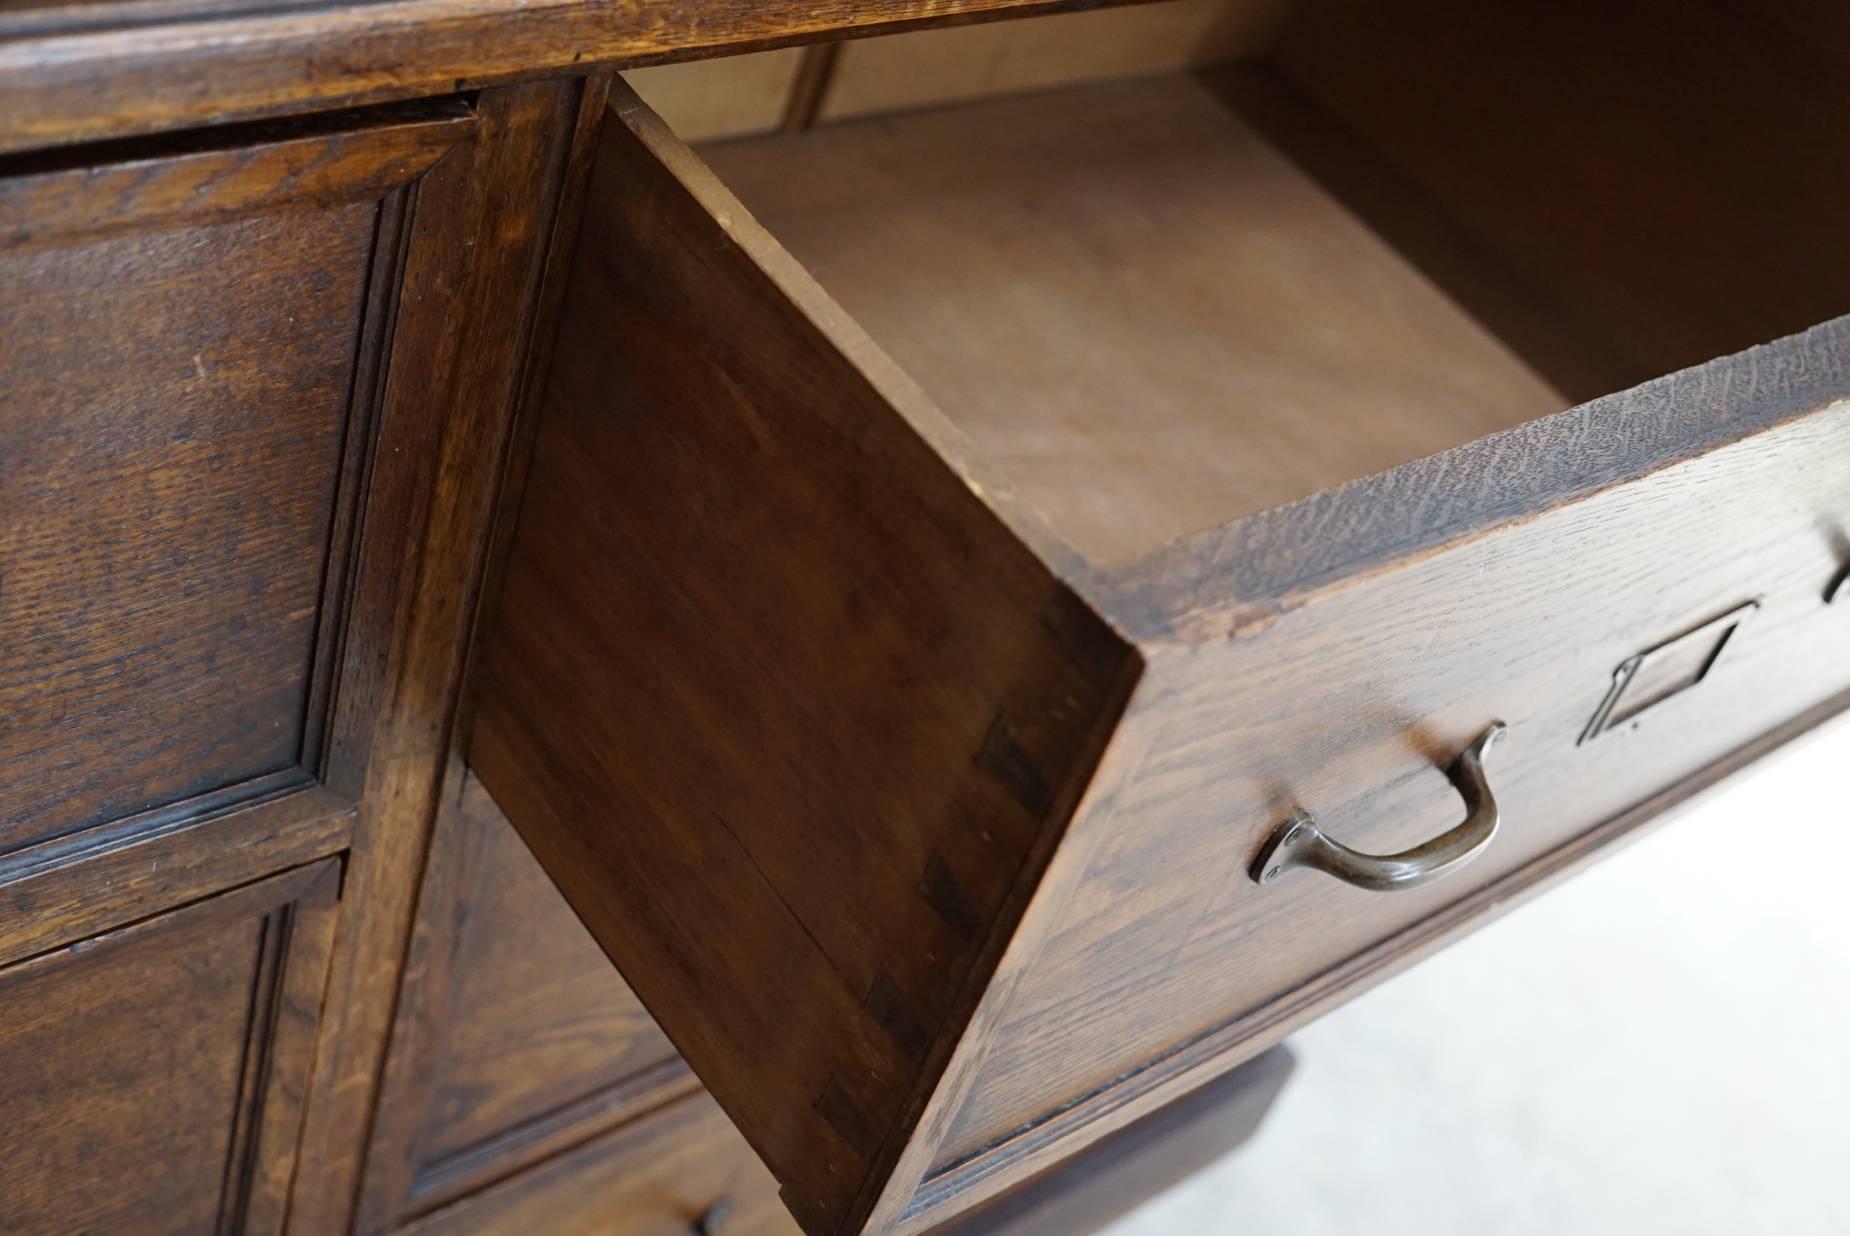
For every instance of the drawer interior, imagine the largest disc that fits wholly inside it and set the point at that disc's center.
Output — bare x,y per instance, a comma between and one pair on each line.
1163,303
928,846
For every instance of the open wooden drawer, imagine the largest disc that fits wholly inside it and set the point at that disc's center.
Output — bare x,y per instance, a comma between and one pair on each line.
913,755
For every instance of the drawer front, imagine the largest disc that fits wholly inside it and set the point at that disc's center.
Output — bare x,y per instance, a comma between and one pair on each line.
186,359
927,846
1351,698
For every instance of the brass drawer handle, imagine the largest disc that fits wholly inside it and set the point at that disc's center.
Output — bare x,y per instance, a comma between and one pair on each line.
1298,842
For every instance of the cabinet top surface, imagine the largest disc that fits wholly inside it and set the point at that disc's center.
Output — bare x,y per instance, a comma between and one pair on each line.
77,70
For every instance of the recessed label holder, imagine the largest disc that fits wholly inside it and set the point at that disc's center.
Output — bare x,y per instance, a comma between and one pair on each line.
1646,679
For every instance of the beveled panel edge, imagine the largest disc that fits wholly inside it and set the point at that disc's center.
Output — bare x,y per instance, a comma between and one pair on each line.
199,176
952,1187
414,579
392,146
54,893
286,994
584,1180
505,1153
1210,585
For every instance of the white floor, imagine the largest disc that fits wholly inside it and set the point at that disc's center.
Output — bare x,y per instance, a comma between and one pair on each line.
1659,1046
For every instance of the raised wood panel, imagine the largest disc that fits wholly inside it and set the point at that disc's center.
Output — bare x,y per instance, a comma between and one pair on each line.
154,1074
542,1042
180,456
681,1172
167,467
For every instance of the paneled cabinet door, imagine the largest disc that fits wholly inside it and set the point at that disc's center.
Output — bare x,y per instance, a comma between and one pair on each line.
153,1075
515,1038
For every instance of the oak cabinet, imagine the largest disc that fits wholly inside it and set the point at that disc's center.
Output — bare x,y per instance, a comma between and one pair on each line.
451,540
527,1087
254,380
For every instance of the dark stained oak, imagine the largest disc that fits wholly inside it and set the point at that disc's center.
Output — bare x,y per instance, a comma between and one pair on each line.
516,1038
701,346
260,381
473,250
539,1019
58,87
258,384
909,779
662,1176
56,197
154,1073
51,891
168,464
179,456
772,633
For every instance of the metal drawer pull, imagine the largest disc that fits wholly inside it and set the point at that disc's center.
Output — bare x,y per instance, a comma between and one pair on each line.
1298,842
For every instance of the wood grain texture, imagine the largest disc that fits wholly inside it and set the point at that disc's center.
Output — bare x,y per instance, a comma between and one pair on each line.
57,88
473,250
1205,588
397,1182
178,465
26,17
194,352
515,1037
1148,317
155,1073
1199,1061
658,1177
60,196
51,892
540,1018
1349,698
1334,653
641,613
1091,1190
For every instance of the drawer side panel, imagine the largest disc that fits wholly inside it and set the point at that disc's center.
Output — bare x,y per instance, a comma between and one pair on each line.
786,709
